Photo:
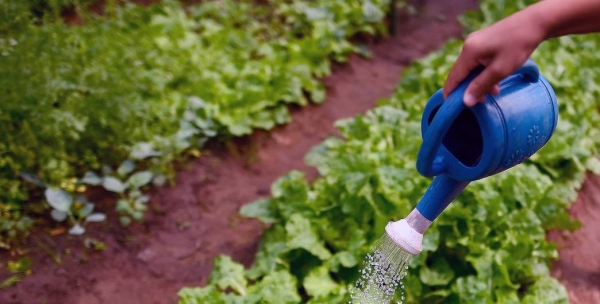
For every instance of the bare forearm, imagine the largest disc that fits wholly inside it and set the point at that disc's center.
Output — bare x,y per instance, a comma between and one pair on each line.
565,17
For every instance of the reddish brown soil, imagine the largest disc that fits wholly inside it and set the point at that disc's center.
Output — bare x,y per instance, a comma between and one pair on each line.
579,265
192,222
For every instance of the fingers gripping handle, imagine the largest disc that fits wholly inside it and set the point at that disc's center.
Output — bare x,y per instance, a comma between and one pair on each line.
429,161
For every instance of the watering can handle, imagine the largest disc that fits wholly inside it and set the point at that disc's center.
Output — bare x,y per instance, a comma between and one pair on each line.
428,162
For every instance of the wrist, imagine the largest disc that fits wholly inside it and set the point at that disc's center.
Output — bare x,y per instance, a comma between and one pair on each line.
546,21
536,24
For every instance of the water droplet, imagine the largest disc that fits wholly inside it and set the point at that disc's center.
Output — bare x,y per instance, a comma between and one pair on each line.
382,273
13,42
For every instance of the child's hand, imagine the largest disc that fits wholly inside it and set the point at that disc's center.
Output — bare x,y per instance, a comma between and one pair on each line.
501,48
504,46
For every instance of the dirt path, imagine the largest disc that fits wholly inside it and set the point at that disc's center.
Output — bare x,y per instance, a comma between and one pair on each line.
579,265
197,219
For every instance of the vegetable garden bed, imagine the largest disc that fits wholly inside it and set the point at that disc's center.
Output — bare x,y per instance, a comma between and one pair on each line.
189,224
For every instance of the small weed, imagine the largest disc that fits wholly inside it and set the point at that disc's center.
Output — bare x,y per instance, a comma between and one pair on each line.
19,268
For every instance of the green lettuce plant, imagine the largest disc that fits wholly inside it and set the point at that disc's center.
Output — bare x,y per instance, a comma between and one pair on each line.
489,246
150,84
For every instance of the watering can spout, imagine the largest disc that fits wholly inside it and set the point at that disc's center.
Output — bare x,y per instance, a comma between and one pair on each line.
408,233
438,196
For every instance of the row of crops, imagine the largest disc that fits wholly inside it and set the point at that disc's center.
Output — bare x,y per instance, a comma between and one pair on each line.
488,247
115,100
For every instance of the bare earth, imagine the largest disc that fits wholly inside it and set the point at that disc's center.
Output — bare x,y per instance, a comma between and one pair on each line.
579,265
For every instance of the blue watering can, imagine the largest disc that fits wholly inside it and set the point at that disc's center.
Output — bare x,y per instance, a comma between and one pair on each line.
463,144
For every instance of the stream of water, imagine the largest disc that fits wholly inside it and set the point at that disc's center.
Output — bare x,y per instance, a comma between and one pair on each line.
382,274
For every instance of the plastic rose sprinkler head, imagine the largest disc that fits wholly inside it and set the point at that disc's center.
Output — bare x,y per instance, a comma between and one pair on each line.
408,233
463,144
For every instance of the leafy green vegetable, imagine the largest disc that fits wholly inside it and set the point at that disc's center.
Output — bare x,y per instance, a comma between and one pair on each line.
318,283
300,235
489,246
133,90
439,273
259,209
277,287
546,290
229,274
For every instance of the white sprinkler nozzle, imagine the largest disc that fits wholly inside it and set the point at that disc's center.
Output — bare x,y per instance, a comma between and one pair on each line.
408,233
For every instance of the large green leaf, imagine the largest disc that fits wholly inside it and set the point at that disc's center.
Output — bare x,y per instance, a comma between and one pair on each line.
59,199
260,209
113,184
546,290
139,179
228,274
300,234
318,283
439,273
277,287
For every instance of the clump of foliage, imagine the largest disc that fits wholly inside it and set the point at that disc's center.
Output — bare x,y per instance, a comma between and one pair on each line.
489,246
141,85
17,269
